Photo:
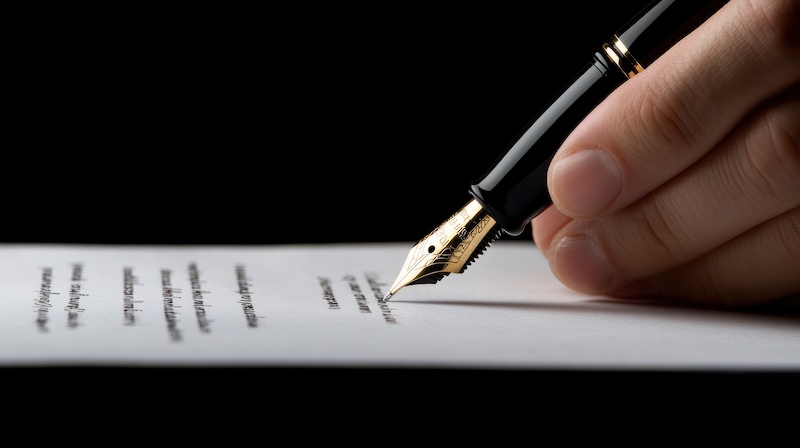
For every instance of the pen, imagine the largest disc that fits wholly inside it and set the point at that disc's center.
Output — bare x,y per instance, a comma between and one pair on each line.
514,190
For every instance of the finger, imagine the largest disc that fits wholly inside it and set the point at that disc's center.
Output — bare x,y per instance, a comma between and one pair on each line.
751,177
753,269
545,226
667,117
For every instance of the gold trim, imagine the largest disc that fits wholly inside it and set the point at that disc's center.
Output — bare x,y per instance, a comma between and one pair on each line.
618,52
449,248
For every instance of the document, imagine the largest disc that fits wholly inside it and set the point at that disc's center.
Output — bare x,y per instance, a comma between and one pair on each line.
320,306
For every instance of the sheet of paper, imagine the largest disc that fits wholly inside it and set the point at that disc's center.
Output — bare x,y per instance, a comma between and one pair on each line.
319,306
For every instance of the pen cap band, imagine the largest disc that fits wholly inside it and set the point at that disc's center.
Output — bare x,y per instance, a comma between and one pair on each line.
619,54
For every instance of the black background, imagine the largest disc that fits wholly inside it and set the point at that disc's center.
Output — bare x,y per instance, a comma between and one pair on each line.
290,125
307,124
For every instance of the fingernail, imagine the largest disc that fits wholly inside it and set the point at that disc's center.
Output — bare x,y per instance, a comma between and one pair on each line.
581,265
585,183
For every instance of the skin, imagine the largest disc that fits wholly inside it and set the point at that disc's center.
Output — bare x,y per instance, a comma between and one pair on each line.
684,183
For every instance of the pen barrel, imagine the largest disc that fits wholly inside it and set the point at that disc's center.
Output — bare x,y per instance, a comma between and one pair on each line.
514,190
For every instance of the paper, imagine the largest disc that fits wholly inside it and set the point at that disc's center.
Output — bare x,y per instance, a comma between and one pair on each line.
319,306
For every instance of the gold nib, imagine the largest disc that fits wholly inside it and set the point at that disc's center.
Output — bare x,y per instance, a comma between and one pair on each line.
450,248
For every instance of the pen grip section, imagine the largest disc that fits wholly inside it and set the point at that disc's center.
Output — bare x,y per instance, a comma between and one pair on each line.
514,189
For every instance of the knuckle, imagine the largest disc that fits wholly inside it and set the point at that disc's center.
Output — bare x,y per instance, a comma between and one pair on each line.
789,233
668,120
660,231
774,153
776,23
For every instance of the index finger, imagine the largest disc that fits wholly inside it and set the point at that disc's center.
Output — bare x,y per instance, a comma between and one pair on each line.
669,116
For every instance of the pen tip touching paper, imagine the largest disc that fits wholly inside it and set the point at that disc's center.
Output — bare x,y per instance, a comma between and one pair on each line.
448,249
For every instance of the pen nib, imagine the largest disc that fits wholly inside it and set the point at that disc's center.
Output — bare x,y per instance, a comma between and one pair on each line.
449,248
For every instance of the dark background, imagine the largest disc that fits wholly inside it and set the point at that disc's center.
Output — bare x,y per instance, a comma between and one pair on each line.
290,125
311,124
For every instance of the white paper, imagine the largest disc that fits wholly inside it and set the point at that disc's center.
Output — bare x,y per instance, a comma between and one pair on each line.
319,306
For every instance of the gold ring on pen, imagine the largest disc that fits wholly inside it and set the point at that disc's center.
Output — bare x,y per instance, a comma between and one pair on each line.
618,52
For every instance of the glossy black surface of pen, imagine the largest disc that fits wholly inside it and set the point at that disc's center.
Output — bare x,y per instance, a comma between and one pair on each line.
514,190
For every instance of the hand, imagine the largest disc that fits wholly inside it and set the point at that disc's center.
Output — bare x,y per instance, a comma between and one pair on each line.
684,183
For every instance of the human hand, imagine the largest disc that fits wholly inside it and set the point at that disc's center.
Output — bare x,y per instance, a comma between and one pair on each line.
684,183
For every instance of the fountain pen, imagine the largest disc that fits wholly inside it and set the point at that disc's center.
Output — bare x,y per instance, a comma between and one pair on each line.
514,190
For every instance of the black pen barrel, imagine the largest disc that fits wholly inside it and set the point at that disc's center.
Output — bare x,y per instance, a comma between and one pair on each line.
514,190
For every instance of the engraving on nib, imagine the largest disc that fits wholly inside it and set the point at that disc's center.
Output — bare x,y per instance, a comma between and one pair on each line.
449,248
